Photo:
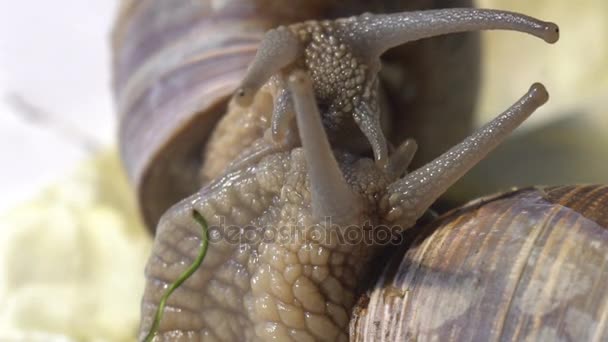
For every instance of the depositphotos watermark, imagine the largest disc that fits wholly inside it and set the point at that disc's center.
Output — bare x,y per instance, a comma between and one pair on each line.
326,233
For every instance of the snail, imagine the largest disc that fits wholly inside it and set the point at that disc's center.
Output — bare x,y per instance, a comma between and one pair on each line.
177,64
285,196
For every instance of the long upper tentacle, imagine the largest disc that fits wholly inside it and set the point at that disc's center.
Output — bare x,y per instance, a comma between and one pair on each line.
279,48
331,195
375,34
408,198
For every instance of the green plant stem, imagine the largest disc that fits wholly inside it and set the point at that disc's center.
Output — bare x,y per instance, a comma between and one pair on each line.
183,277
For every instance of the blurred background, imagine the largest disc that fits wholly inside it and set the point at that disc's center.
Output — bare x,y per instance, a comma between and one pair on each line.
72,248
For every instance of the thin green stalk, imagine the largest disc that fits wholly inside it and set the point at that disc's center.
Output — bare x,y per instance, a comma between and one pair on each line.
183,277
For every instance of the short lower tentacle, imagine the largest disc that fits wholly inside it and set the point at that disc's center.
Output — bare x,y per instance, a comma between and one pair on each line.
408,198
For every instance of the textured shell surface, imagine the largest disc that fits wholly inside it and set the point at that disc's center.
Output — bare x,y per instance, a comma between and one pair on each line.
525,265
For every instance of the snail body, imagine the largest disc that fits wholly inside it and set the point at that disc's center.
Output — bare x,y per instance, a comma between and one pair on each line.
290,187
295,289
177,64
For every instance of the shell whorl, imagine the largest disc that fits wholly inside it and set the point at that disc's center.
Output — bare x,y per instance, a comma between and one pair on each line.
525,265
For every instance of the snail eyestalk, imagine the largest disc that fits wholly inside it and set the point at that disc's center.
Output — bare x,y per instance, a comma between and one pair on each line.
183,277
369,123
382,32
408,198
331,195
401,158
282,115
279,48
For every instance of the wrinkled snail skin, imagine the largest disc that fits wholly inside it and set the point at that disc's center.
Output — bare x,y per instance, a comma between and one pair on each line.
294,289
529,265
177,63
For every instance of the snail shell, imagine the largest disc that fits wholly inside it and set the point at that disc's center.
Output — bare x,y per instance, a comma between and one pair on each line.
176,64
526,265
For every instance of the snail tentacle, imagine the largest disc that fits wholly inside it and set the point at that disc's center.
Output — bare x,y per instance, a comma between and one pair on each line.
377,33
408,198
331,195
282,113
342,60
401,158
279,48
368,121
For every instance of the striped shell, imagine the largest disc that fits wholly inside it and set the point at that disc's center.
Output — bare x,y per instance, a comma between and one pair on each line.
176,63
527,265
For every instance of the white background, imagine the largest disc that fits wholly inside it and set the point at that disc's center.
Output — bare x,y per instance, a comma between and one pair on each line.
54,63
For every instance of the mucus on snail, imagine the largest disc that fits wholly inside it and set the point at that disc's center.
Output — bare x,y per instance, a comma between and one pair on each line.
306,290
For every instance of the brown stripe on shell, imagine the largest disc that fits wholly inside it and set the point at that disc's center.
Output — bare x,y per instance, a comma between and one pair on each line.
526,265
588,200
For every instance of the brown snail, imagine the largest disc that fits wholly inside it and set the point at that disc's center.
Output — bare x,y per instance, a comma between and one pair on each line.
294,289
